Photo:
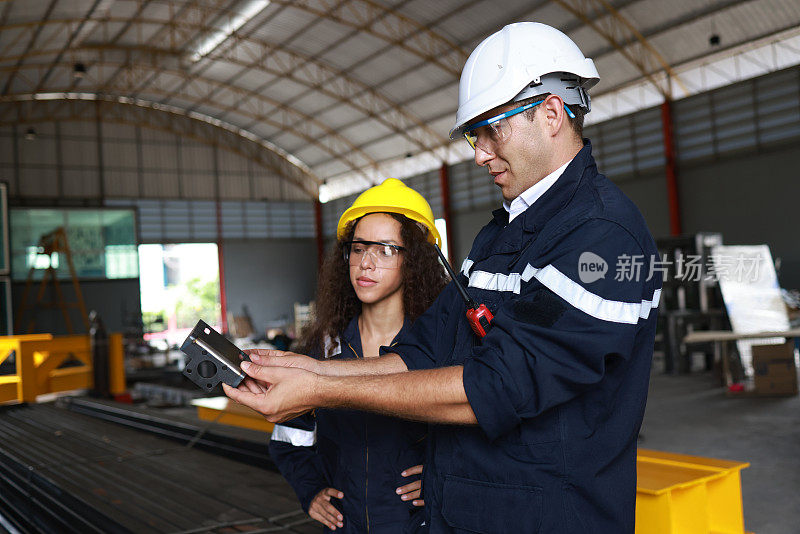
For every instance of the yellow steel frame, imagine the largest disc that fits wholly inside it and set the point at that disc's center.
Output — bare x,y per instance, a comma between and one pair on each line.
39,359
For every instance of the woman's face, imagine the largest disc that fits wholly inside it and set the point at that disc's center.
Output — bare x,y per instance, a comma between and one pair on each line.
373,283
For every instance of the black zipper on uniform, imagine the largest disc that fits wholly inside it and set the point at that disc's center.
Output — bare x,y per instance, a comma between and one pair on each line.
366,461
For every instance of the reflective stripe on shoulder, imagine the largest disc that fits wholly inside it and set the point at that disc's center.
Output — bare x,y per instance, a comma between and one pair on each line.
607,310
511,282
495,281
295,436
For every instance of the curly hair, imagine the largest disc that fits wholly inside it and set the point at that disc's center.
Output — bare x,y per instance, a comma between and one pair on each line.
423,278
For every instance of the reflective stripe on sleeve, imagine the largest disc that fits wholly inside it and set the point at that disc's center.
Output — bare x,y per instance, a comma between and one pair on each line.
295,436
604,309
575,294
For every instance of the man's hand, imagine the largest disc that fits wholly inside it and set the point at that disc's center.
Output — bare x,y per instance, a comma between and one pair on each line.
387,364
323,510
253,386
280,358
289,391
413,490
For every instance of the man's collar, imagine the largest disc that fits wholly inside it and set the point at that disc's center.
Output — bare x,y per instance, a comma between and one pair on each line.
557,196
528,197
500,216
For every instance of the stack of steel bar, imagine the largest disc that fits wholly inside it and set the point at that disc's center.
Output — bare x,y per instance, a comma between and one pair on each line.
240,444
62,471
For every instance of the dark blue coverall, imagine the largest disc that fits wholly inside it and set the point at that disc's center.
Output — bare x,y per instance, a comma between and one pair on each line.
360,454
559,384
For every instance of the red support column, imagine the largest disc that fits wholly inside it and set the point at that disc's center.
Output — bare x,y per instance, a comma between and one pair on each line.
444,183
223,299
320,239
671,169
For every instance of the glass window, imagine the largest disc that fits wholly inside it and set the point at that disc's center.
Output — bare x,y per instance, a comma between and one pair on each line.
102,242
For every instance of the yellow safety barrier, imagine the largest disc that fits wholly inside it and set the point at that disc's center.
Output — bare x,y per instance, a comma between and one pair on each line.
680,494
39,365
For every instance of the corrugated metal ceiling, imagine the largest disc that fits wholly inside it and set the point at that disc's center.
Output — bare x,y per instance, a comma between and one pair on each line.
345,85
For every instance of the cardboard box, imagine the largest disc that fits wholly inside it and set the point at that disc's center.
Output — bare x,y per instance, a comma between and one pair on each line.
774,369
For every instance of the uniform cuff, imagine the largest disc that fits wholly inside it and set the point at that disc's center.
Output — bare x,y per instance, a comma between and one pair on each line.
414,358
488,397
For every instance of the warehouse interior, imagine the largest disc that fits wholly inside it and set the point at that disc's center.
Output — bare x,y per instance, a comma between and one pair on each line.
164,161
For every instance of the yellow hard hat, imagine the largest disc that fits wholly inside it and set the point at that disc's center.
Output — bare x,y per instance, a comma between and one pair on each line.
392,196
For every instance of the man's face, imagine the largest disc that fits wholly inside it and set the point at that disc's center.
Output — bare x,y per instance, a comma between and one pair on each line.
519,161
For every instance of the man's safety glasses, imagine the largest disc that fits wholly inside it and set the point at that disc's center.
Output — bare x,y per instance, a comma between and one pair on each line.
385,255
497,129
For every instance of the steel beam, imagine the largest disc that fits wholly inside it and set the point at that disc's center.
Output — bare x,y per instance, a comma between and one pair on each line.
671,169
617,30
31,42
319,236
444,184
142,113
260,108
223,296
257,54
373,18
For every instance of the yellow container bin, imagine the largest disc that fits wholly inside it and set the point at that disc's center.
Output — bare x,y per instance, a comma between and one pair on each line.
227,412
681,494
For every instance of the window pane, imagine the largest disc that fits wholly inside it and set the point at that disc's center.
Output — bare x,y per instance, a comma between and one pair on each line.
102,243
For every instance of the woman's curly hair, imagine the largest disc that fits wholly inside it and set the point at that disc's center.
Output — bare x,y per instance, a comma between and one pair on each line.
337,303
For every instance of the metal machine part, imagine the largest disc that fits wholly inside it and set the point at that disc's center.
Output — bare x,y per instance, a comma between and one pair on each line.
212,358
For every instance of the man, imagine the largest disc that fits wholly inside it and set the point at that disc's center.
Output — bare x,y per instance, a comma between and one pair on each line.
537,420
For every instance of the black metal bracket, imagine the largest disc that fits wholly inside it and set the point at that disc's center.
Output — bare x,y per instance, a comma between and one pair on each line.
212,358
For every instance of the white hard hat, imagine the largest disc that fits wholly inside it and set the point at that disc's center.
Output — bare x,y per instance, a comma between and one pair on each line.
522,60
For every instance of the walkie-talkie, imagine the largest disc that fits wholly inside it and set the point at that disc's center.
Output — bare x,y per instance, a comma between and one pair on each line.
478,315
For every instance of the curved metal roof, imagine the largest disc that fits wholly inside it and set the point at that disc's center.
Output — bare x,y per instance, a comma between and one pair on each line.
337,88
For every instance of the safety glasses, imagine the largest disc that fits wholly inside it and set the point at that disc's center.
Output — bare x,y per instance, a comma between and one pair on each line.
497,129
384,255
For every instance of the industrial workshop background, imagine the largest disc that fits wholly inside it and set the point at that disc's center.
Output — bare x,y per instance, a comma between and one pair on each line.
253,124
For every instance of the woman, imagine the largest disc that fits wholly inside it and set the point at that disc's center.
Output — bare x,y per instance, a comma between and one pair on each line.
383,273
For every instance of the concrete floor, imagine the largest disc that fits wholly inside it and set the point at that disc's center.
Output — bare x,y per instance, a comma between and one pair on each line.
690,414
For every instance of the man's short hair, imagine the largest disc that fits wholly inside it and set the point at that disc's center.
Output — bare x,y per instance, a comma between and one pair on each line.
576,123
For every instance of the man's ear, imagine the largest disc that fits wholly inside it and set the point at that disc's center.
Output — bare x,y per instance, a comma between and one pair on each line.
555,114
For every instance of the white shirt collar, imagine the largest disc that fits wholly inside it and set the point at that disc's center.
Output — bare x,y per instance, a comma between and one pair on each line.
532,194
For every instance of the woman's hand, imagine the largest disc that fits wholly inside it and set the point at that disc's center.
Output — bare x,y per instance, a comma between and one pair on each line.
413,490
324,511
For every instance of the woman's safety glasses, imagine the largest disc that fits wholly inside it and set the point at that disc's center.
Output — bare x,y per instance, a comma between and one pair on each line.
385,255
497,129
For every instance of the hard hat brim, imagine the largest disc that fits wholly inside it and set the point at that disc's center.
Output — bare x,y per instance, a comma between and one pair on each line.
355,213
